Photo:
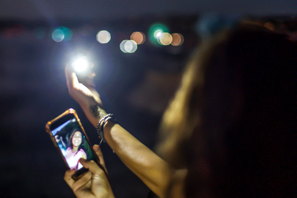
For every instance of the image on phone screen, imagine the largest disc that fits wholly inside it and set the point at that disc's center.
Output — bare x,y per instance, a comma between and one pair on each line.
71,141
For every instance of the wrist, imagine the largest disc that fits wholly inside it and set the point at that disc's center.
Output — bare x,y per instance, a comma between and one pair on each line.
104,121
93,112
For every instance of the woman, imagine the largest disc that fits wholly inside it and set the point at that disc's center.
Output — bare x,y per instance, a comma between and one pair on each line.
230,130
75,151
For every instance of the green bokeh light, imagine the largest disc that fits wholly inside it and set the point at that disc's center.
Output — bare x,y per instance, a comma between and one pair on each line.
62,33
67,33
156,31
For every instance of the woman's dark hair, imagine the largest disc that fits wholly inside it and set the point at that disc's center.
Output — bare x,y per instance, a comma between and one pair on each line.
232,123
81,146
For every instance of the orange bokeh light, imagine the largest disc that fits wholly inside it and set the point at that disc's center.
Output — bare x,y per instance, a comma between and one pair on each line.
177,39
138,37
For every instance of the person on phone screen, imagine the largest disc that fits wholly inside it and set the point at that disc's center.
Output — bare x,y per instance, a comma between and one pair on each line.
75,151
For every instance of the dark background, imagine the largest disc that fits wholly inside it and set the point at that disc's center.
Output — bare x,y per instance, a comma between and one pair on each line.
135,87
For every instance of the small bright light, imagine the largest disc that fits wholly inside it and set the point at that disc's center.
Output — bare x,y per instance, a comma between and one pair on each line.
177,39
103,36
128,46
158,34
138,37
58,35
81,65
165,38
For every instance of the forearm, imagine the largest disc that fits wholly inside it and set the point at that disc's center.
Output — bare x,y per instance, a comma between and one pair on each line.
143,162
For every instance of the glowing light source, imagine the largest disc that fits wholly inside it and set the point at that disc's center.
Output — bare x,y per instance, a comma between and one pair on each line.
103,36
156,31
81,65
58,35
138,37
177,39
158,34
165,38
39,32
128,46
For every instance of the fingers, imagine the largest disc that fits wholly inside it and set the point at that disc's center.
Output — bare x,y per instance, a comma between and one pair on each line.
99,154
83,181
92,166
71,78
68,177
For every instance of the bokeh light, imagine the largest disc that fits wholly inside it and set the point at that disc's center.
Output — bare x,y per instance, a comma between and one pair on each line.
158,34
138,37
269,25
128,46
155,32
165,38
67,33
177,39
58,35
103,36
39,32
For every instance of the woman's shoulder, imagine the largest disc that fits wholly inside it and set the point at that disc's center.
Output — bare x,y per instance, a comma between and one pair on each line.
81,151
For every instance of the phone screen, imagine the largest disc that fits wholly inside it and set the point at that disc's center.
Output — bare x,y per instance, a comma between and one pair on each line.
72,142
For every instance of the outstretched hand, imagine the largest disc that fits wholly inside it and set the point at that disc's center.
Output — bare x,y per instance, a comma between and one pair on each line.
94,183
85,95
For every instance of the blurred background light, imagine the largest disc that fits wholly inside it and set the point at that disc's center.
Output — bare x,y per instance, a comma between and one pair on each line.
138,37
128,46
165,38
156,31
58,35
67,33
103,36
158,34
39,32
269,25
122,44
177,39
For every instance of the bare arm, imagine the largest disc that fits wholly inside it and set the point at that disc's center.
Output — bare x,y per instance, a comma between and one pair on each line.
143,162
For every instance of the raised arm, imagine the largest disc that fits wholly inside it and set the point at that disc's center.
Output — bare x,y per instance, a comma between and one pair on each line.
143,162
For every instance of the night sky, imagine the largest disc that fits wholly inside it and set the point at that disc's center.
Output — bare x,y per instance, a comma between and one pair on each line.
135,87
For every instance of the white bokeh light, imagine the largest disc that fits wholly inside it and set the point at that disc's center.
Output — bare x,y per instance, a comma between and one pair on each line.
128,46
165,38
103,36
158,34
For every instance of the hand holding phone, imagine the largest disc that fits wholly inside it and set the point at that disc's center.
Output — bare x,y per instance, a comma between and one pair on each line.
71,141
94,183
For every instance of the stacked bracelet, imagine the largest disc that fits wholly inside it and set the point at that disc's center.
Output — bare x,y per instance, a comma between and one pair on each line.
101,124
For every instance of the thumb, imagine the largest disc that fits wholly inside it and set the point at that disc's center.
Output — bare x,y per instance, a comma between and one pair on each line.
99,154
92,166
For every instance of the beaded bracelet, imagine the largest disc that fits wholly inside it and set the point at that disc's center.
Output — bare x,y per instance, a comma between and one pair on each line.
101,124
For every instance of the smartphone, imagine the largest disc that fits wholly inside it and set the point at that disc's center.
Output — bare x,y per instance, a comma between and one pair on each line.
71,141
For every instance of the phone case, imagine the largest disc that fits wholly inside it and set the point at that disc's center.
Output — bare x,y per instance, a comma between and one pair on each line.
48,130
